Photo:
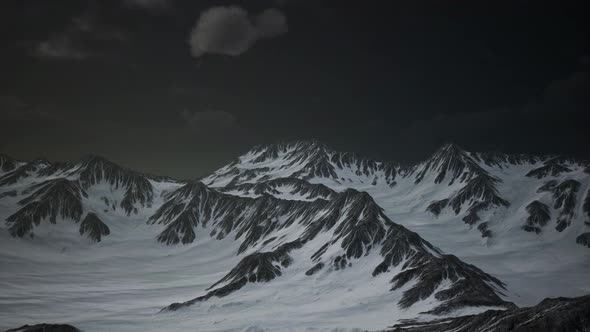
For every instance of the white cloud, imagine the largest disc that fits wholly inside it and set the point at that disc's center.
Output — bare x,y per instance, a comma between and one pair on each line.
230,30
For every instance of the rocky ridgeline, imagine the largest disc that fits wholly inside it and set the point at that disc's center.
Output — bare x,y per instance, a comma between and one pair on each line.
58,191
451,165
290,186
7,164
357,226
306,159
564,195
551,315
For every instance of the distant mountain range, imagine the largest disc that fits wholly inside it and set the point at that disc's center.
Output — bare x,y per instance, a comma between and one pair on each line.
459,233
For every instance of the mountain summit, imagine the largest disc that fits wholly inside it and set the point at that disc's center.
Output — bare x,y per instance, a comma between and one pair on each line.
298,228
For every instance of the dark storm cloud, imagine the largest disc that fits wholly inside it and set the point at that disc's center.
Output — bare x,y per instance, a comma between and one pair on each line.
232,31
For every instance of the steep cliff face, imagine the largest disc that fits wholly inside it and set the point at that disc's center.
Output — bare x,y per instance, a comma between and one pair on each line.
306,160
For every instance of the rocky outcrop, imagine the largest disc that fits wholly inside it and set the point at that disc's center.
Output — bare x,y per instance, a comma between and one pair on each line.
429,269
436,207
551,167
584,239
365,167
539,216
93,227
565,198
290,186
501,160
27,170
138,189
49,200
257,267
356,226
307,159
586,206
45,328
551,315
479,192
481,189
7,164
452,163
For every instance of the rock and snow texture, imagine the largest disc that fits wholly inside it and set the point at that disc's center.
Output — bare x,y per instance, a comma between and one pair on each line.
291,235
341,232
45,328
551,315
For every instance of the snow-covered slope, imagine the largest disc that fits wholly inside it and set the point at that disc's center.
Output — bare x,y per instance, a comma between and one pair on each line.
290,235
514,215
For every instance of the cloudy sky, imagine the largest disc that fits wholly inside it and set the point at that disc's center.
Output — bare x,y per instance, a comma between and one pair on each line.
181,87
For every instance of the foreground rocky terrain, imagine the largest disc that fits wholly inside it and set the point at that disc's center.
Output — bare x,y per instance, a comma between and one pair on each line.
551,315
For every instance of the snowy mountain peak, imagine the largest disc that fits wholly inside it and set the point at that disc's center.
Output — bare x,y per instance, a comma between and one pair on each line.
347,230
307,160
297,220
48,200
450,162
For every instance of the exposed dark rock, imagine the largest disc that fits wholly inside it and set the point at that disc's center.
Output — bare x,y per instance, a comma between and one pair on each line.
565,198
479,194
587,203
547,186
314,269
49,199
10,193
45,328
450,160
552,167
310,159
436,207
551,315
495,159
319,166
138,189
7,164
481,188
24,171
297,187
366,226
365,167
430,268
539,216
472,217
357,224
257,267
93,227
584,239
483,228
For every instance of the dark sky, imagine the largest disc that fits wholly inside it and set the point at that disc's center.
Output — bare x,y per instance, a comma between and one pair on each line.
141,83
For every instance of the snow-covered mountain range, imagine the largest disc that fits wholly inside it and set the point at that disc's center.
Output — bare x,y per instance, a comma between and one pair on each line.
291,235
